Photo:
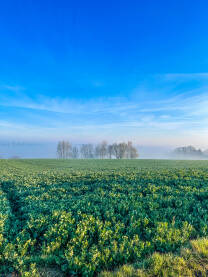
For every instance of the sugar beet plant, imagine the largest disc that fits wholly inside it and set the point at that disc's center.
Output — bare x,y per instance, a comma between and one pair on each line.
82,217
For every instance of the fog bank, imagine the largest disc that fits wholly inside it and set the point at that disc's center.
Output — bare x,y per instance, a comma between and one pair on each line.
47,150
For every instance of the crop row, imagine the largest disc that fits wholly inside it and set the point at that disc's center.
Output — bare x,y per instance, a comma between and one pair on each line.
85,221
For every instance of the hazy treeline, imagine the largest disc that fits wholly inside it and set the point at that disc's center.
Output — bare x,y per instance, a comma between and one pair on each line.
189,152
122,150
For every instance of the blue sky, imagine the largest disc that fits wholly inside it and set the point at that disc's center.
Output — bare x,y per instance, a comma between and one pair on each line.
116,70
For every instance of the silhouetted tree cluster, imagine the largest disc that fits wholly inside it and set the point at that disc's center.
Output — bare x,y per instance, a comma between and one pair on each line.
64,150
188,151
103,150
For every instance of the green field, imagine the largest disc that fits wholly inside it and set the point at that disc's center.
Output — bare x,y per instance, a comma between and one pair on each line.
86,217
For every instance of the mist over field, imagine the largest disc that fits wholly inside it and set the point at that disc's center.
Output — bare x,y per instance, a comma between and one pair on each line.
48,150
28,150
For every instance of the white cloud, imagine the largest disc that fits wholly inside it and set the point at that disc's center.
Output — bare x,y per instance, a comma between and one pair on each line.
170,117
11,88
184,76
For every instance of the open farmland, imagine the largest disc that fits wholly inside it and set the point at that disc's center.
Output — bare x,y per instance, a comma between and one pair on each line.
84,217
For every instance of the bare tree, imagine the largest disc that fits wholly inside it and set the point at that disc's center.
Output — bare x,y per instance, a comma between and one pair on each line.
110,151
122,148
75,152
116,150
132,151
87,151
90,150
60,150
128,150
64,150
97,151
103,149
119,150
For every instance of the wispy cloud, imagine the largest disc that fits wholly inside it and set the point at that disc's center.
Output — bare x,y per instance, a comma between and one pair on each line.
185,76
11,88
171,115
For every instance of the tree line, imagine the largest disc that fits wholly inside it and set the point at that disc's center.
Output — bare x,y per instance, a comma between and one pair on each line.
189,152
103,150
